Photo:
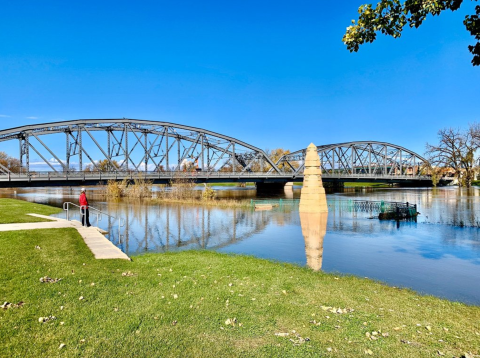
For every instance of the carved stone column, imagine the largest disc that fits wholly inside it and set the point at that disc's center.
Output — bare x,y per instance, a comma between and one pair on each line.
312,197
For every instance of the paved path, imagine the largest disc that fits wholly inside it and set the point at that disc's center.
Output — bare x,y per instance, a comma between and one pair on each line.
100,246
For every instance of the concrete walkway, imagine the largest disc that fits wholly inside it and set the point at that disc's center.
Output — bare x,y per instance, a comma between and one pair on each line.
98,244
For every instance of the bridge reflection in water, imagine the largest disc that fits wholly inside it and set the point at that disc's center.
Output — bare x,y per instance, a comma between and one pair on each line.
272,234
177,227
165,228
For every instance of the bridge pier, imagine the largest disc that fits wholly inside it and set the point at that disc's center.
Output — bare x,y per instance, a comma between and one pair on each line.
288,190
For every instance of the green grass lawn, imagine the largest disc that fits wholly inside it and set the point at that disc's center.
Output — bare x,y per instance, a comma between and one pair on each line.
15,211
207,304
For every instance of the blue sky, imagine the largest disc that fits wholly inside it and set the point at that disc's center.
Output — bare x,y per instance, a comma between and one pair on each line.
272,73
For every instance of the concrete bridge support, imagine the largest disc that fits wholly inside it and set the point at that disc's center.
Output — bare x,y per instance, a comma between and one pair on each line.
288,186
288,190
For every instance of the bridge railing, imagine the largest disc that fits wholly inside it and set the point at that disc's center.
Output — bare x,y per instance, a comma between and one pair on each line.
97,212
49,175
38,176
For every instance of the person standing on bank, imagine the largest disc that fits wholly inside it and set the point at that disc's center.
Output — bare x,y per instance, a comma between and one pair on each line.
84,209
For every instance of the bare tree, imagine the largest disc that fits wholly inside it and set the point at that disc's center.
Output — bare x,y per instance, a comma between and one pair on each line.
456,150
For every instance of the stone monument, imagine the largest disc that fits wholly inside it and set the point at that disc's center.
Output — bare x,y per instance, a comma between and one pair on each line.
312,197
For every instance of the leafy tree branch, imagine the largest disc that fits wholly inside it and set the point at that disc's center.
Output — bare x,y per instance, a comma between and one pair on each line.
390,17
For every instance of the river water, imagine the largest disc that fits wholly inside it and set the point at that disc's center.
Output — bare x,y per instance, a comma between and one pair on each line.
439,254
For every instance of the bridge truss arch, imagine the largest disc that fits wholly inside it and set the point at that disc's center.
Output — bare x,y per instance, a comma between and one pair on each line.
361,158
127,145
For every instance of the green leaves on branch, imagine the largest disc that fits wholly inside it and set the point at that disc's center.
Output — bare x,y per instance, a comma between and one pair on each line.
472,23
389,17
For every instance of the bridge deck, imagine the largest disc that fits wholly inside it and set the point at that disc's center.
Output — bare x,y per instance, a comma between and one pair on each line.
38,179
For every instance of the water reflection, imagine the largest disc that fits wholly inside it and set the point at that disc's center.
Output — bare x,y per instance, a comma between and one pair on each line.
314,228
162,228
448,205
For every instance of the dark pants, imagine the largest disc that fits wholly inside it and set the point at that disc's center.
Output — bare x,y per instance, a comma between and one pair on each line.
85,217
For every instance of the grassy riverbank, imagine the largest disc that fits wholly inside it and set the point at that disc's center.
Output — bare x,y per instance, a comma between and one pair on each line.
15,211
206,304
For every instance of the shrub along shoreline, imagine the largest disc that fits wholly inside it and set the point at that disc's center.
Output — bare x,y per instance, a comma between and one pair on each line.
207,304
182,190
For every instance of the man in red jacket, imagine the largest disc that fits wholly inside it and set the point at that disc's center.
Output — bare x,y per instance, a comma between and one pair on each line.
84,208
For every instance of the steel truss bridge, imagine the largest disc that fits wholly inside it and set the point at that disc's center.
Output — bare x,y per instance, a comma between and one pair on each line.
89,151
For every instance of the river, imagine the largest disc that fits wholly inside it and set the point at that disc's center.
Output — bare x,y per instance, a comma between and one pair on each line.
439,254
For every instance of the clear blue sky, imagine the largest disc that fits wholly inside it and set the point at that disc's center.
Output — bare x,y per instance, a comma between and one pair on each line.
271,73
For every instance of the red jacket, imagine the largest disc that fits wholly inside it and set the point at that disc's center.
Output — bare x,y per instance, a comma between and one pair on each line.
83,200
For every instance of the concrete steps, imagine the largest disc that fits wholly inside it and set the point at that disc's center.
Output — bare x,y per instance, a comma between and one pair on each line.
98,244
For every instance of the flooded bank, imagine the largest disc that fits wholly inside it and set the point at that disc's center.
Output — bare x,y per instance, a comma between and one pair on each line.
438,254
